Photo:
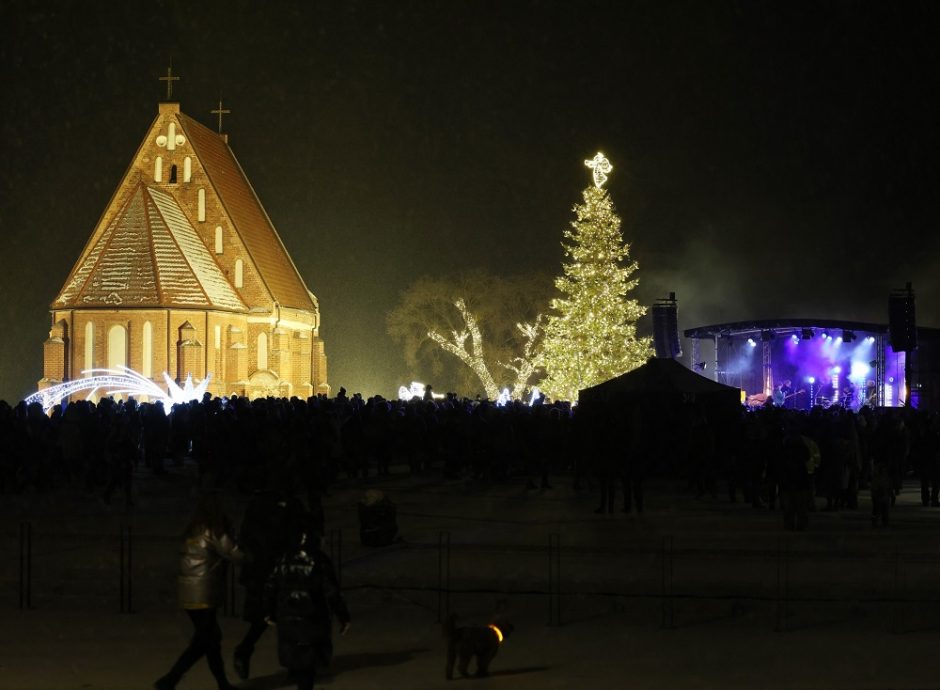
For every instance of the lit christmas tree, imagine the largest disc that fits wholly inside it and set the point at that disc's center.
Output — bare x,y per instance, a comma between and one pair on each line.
591,335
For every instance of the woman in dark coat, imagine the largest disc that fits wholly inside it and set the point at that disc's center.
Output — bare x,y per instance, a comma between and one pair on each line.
301,597
208,548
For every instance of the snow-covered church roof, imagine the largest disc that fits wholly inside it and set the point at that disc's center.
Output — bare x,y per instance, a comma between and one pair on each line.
149,255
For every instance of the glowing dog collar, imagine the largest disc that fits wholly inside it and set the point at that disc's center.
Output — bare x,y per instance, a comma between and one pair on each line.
499,633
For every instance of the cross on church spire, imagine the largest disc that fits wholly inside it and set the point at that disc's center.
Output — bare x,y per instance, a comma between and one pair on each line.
219,111
169,79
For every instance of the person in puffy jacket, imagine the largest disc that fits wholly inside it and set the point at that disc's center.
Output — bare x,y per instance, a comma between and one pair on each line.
208,548
301,596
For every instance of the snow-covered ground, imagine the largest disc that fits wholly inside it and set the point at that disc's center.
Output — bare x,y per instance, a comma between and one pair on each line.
731,566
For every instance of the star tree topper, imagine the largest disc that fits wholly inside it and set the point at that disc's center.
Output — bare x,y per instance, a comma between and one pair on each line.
601,166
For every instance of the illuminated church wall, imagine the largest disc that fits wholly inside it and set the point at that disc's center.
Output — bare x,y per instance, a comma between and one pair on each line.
200,320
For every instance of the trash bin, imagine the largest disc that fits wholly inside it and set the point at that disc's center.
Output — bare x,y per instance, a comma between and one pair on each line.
378,524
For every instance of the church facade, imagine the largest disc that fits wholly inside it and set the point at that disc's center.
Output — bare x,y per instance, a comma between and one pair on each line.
186,274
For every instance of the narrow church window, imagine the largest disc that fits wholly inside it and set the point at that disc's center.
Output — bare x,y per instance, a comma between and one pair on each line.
218,239
146,366
89,347
218,337
173,175
202,205
171,138
158,169
187,169
117,347
239,273
262,351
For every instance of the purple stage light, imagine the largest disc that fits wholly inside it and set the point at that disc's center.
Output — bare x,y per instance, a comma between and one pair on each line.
750,341
811,379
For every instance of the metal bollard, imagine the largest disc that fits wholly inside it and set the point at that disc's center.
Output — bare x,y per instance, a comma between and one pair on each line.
896,593
668,619
121,569
26,565
443,576
783,584
125,569
554,579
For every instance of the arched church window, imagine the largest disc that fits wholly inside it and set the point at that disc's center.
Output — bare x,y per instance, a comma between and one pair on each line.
158,169
171,138
201,210
187,169
218,239
173,175
262,350
117,347
89,347
239,273
146,365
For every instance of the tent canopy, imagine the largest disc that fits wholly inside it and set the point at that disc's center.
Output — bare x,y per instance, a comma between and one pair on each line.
664,380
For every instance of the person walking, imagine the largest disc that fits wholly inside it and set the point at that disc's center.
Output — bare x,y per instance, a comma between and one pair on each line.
264,535
301,597
208,548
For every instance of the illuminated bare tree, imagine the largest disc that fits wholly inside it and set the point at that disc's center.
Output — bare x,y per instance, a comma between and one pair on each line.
472,356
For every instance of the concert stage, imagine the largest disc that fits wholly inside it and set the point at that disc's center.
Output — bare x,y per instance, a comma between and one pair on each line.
806,362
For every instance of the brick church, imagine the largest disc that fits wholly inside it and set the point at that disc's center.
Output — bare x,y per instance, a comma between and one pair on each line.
186,274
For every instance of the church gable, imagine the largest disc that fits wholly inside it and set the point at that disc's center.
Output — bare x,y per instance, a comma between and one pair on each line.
194,167
242,208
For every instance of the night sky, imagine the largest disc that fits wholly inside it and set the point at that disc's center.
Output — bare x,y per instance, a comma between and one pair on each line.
770,159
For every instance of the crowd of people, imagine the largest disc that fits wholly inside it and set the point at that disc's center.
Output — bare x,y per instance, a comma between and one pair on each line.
768,456
96,446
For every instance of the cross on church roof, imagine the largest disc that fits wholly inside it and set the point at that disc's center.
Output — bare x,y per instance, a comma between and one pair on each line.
219,111
169,79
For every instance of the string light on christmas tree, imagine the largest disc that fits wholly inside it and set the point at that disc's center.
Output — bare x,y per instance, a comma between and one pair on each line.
591,335
601,166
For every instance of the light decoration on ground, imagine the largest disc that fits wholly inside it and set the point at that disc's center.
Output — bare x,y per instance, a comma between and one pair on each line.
416,390
122,381
600,166
536,394
504,398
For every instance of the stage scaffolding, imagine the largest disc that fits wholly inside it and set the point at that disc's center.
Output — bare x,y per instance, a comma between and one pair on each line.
806,352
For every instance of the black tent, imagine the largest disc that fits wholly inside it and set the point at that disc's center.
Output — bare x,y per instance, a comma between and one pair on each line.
651,413
662,382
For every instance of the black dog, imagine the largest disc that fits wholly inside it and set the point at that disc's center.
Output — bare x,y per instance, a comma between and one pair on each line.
480,641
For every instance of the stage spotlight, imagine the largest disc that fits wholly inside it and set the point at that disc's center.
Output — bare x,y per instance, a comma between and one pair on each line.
838,340
836,370
795,338
811,379
848,336
824,336
767,335
807,333
750,341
